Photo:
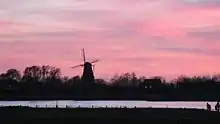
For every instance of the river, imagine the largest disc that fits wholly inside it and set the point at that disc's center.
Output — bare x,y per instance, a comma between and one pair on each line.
94,104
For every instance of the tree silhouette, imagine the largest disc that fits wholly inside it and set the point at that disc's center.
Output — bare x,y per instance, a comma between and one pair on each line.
46,82
127,79
32,73
13,74
55,73
45,72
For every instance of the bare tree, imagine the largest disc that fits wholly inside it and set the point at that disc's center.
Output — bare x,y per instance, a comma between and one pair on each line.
45,69
55,73
13,74
33,72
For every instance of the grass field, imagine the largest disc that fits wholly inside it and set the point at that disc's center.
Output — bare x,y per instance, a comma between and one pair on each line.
18,114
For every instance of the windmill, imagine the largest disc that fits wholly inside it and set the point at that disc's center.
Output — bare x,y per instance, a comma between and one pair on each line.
88,75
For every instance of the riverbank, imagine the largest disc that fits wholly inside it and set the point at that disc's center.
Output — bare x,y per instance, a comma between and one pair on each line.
149,114
152,100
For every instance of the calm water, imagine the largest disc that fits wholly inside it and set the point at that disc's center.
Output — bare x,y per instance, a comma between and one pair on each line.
130,104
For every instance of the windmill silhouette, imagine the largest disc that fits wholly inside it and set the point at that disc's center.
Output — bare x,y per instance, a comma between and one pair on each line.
88,75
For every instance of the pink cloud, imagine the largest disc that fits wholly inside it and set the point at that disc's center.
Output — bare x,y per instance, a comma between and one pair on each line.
161,37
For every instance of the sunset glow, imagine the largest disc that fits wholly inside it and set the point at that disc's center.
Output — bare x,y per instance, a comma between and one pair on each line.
149,37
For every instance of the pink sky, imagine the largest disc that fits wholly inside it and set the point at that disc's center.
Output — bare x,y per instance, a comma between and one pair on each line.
150,37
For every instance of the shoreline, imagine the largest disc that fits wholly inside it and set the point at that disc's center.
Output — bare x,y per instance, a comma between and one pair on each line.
151,100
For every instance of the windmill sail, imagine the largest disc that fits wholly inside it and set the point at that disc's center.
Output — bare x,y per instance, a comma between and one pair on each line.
77,66
84,56
94,61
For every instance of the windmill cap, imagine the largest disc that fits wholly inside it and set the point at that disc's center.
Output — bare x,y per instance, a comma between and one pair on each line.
87,64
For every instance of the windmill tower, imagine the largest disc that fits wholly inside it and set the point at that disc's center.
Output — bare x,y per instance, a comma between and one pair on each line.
87,75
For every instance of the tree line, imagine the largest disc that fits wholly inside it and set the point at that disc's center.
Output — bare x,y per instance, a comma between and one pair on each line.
45,82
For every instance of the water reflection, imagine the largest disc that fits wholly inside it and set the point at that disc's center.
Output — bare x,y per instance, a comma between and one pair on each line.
130,104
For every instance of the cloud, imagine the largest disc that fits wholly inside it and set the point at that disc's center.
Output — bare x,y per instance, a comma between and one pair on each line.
202,3
203,51
145,36
206,33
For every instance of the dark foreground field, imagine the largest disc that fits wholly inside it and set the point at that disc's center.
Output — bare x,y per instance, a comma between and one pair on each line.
63,115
